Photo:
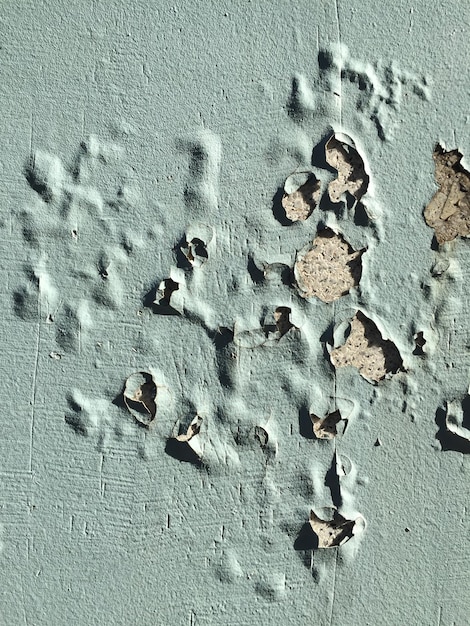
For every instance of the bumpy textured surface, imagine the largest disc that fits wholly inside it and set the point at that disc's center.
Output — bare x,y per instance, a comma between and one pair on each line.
159,459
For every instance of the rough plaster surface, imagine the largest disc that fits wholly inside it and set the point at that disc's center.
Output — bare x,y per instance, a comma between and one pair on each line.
161,372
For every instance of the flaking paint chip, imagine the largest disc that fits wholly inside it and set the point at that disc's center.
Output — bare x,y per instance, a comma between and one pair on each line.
327,427
282,319
187,446
342,155
299,203
140,394
195,251
328,270
366,350
334,532
455,420
449,209
193,429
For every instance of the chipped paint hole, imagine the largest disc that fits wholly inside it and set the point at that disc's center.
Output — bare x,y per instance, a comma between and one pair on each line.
328,270
187,445
420,342
195,252
262,436
282,318
336,531
166,289
365,349
327,427
140,394
163,297
281,326
448,212
342,155
301,195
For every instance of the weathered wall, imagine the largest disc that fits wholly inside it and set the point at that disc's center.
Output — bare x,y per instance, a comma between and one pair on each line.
155,159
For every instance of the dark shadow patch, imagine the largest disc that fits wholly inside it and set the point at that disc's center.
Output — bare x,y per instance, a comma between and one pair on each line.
163,306
305,423
434,244
225,357
221,337
76,165
338,208
392,357
287,276
420,342
306,540
182,451
301,104
78,419
378,127
361,218
278,210
466,412
181,259
326,339
450,441
149,298
25,303
35,182
75,422
294,107
318,158
279,273
255,272
119,399
325,60
29,229
332,481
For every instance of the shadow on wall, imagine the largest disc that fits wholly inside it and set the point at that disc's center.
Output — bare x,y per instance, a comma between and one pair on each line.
450,441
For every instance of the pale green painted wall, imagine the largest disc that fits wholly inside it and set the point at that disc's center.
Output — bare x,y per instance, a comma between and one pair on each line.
149,117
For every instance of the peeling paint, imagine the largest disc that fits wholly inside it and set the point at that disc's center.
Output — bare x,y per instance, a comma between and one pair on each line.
448,212
140,393
327,427
365,349
335,532
300,202
330,269
352,178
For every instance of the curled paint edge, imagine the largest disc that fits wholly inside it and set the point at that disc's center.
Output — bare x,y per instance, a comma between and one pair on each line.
348,142
130,397
454,420
340,523
191,437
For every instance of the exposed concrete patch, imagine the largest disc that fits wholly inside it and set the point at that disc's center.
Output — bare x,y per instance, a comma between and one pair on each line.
299,202
330,269
327,427
341,153
449,209
334,532
365,349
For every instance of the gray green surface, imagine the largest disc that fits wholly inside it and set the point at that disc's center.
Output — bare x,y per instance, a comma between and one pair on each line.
147,118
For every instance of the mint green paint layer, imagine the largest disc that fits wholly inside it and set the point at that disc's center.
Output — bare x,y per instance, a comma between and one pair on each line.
127,125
